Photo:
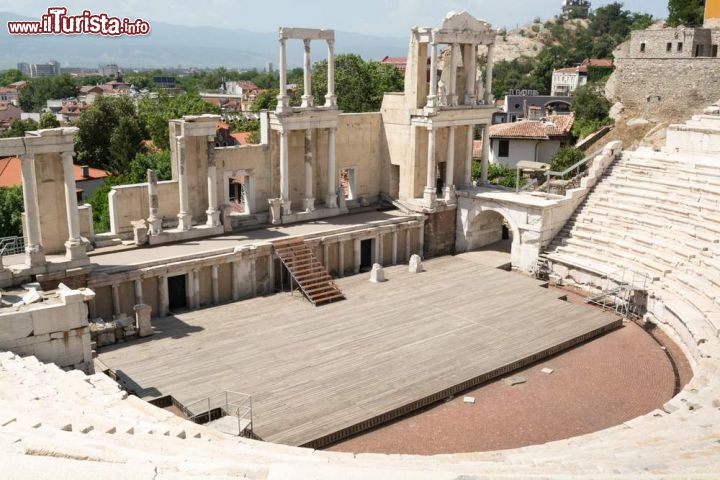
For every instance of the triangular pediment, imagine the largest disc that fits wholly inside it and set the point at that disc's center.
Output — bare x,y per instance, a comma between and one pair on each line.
463,21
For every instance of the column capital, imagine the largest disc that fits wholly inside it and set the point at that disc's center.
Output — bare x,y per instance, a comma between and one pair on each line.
330,42
306,43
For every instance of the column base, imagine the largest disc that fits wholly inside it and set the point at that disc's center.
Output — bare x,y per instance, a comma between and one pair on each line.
309,204
429,197
286,207
449,194
275,213
34,256
330,101
331,200
283,104
213,218
74,251
184,221
470,99
155,226
308,101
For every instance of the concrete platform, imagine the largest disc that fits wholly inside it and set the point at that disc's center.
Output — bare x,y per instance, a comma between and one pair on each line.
319,374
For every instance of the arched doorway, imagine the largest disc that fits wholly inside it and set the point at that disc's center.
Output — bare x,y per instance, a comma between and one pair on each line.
490,229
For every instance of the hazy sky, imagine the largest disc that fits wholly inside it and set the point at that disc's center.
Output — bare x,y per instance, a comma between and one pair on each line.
375,17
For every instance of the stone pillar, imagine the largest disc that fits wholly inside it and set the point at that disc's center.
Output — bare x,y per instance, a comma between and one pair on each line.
430,195
326,255
214,273
154,220
184,217
331,196
421,239
379,249
189,288
330,98
116,299
450,167
467,183
408,244
394,245
163,296
284,174
275,210
74,249
432,99
489,75
356,255
34,255
471,73
138,291
196,288
485,154
341,258
283,100
453,97
143,322
213,213
307,98
309,198
253,277
236,280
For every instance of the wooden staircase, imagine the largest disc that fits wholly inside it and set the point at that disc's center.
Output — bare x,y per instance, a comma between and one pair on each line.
311,276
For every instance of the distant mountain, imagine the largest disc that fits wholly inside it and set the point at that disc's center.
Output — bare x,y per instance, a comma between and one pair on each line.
172,45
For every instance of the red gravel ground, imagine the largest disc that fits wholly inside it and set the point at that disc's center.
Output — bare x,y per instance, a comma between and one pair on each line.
599,384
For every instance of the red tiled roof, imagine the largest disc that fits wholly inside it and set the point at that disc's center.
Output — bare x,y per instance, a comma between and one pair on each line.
598,62
10,175
553,126
571,70
242,138
220,125
394,60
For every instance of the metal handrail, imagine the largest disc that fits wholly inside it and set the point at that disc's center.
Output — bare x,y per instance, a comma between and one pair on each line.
12,245
230,403
576,166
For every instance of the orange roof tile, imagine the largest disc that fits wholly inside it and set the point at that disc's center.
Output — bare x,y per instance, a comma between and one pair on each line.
553,126
243,138
10,175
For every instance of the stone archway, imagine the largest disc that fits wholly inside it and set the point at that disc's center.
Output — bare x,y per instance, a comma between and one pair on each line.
483,225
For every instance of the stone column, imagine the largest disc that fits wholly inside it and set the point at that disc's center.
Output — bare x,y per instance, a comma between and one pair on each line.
163,296
154,220
356,255
453,97
184,217
394,245
432,99
34,255
253,277
430,195
214,273
330,98
309,198
489,75
189,289
421,240
331,196
74,249
326,255
138,291
467,183
236,281
283,101
471,80
485,154
213,214
196,288
307,98
341,258
379,248
408,243
115,299
143,322
284,174
450,167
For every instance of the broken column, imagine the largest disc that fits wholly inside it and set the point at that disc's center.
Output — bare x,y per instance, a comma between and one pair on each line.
415,264
213,213
377,274
154,221
143,323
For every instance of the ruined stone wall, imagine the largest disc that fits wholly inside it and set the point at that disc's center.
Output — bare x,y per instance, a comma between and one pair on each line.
129,203
440,233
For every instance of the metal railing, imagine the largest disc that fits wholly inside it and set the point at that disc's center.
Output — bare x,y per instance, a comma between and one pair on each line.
226,404
576,168
622,291
12,245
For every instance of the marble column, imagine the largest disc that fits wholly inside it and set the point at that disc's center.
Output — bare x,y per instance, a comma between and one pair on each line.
341,258
189,289
309,197
213,213
485,154
489,75
430,195
163,296
214,274
74,249
356,255
115,299
432,99
253,277
421,240
330,98
331,196
138,291
450,167
154,220
408,243
284,174
471,74
469,139
307,98
34,255
184,217
394,245
453,97
196,288
236,280
379,249
326,255
283,103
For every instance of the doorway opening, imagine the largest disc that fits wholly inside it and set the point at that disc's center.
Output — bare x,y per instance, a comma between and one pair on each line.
177,293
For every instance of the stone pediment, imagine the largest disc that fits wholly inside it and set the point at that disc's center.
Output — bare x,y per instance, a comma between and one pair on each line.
463,21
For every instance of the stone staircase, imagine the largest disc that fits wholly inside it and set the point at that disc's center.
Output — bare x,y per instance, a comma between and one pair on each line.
311,276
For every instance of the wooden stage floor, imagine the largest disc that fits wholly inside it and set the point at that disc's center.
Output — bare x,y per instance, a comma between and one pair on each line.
326,372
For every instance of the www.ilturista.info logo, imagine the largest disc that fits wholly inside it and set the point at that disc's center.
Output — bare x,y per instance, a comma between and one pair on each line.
58,22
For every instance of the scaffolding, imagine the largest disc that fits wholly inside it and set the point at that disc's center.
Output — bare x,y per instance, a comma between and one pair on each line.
624,291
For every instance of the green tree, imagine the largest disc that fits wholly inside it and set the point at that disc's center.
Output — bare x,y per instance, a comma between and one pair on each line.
48,120
690,13
266,100
34,97
137,170
157,112
11,207
110,134
565,158
591,110
11,76
19,127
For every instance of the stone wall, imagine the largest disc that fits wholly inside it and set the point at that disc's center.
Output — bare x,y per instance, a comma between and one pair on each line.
440,233
129,203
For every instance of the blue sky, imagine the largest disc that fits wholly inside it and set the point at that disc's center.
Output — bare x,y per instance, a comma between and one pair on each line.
375,17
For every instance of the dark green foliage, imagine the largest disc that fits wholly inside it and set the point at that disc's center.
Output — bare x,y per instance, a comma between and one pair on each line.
690,13
565,158
503,175
34,97
266,100
48,120
513,75
11,76
18,128
591,110
11,207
